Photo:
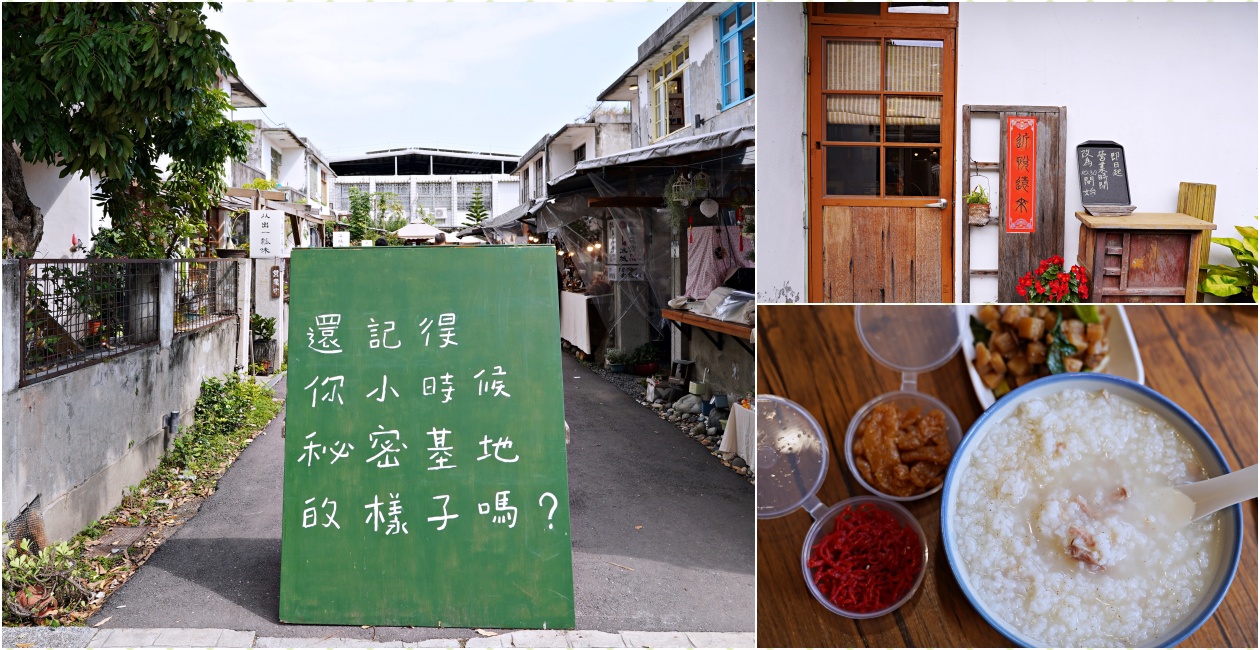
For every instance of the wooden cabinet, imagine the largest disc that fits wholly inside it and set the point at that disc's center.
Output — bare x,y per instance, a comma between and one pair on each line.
1141,257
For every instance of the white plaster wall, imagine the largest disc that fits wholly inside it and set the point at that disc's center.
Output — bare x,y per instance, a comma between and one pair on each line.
781,164
67,207
507,195
1179,94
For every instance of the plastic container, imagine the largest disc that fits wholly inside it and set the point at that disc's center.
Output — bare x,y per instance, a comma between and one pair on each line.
911,339
792,460
823,525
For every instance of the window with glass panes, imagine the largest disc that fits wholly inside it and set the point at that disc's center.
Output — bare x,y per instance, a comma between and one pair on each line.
669,109
882,116
737,43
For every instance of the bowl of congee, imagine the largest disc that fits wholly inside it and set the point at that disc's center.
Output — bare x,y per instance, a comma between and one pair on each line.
1052,523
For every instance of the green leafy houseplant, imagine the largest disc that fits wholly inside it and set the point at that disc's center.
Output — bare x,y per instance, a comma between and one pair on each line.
1224,280
617,359
264,331
977,207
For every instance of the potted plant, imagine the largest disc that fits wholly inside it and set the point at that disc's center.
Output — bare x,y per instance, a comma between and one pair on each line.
644,360
1235,283
1051,283
616,358
264,331
977,207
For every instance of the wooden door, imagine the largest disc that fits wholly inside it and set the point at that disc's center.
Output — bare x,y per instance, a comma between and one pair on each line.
881,140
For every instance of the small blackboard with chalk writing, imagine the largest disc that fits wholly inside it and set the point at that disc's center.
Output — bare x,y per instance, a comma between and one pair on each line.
1104,178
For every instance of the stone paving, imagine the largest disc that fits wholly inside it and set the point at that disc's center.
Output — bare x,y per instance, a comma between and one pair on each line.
84,637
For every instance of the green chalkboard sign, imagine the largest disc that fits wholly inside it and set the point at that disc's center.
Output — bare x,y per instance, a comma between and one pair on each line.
425,478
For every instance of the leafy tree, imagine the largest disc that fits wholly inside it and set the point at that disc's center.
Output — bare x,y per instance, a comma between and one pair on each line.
360,213
389,210
477,212
108,89
424,217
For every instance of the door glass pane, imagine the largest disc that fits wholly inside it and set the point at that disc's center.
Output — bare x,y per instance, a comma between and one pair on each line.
745,10
728,23
853,170
852,65
859,8
914,66
853,118
913,119
912,171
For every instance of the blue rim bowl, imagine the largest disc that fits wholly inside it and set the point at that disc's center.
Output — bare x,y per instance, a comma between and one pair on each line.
1208,454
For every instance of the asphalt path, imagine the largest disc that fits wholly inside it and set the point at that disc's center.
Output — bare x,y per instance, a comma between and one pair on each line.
690,567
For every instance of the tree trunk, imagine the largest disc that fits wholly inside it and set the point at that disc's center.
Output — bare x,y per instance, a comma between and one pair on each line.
23,220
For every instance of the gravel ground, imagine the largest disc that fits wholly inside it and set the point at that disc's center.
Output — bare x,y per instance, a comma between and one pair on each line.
635,386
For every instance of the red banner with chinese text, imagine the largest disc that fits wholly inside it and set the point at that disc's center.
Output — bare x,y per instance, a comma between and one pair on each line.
1021,174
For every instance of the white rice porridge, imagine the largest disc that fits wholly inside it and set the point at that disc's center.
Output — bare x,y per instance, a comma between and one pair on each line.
1058,531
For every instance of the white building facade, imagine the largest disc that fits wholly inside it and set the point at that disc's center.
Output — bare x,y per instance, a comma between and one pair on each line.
434,183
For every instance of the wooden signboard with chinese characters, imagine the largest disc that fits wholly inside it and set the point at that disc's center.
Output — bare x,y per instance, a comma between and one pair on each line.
1021,174
425,479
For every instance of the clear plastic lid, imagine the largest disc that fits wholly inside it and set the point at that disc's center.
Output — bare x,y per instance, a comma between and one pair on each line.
911,339
792,456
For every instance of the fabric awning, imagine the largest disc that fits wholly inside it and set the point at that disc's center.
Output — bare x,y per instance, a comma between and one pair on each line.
743,135
417,230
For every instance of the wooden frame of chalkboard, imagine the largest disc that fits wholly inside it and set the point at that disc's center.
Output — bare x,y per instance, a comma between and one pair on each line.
1103,177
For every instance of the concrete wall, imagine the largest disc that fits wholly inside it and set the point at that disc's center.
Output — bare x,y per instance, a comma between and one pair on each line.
1179,93
78,441
732,370
781,171
610,138
67,206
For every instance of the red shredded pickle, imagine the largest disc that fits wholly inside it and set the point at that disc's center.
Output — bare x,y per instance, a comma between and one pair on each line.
869,560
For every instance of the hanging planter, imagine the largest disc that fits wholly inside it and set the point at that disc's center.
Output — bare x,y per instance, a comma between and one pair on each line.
978,207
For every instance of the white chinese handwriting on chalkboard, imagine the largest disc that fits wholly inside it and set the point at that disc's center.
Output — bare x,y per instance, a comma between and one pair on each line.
388,444
379,337
310,516
331,394
1098,169
506,514
441,451
327,325
444,517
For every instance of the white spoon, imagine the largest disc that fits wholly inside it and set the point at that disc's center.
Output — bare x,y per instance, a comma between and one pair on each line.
1193,501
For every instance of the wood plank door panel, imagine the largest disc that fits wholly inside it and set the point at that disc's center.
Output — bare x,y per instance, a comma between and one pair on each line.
882,243
872,254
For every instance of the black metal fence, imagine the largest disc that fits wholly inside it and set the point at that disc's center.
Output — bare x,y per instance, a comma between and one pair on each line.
205,293
79,312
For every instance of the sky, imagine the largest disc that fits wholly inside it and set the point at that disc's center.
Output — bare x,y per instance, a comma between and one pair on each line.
354,77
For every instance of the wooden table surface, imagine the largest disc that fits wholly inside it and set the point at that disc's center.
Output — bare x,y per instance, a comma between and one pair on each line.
1203,357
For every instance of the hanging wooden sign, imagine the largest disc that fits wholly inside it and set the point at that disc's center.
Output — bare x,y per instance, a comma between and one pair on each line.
1021,174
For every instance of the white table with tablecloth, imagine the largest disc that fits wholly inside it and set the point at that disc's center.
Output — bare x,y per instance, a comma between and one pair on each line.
740,438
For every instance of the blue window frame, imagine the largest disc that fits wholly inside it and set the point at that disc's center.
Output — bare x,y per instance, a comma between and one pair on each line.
736,44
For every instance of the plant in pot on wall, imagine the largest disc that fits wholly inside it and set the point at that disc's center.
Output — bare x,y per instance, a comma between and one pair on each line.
1236,283
977,207
644,360
617,359
264,331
